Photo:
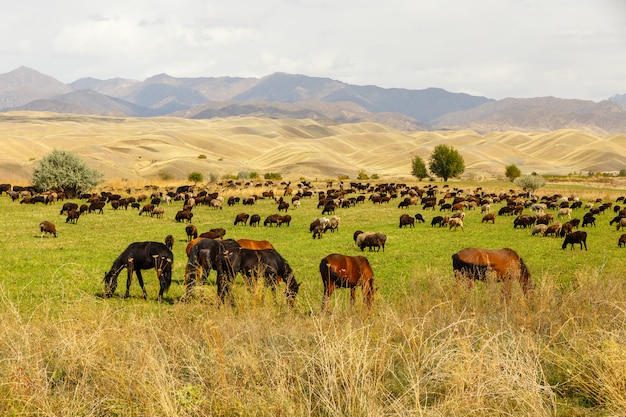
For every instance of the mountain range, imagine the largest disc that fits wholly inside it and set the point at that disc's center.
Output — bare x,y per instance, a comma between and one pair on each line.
281,95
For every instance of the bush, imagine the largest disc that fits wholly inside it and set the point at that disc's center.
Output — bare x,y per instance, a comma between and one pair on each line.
65,170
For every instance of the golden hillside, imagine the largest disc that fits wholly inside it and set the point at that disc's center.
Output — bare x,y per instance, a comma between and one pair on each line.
138,149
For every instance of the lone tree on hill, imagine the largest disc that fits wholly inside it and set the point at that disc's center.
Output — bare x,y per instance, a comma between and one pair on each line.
418,168
512,172
65,170
446,162
530,183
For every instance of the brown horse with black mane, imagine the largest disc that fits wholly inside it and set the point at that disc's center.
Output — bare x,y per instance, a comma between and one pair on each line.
476,264
344,271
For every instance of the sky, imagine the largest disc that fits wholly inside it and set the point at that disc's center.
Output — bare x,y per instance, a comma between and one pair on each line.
492,48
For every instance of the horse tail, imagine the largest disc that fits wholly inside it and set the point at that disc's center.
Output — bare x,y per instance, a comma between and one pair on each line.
524,278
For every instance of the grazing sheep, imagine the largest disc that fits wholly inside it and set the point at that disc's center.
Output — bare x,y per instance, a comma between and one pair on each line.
373,240
565,212
622,240
406,220
48,227
456,222
579,237
621,223
489,217
192,232
539,229
169,241
553,229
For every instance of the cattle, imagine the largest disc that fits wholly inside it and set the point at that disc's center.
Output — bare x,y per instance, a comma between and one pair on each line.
72,216
406,220
471,264
255,220
241,218
46,227
489,217
455,222
342,271
191,231
183,215
578,236
621,241
373,241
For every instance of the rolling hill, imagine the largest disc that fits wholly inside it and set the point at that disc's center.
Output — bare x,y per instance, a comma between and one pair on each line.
144,149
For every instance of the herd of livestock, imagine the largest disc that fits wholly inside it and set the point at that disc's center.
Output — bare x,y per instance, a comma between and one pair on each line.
545,216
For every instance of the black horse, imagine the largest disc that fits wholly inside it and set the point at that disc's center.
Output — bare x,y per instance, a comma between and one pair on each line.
210,254
139,256
272,266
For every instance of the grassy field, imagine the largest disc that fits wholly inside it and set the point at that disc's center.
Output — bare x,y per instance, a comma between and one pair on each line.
429,347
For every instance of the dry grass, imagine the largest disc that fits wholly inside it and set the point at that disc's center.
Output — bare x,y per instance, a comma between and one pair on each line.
145,149
441,352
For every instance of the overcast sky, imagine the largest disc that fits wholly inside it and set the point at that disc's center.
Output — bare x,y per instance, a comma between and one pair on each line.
492,48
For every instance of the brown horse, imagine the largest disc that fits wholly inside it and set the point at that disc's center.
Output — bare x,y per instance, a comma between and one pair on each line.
344,271
255,244
476,264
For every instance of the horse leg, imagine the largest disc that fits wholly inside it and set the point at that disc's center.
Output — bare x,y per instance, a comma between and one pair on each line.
129,269
352,297
140,280
328,290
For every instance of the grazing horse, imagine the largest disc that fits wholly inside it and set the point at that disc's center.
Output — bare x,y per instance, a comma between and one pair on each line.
475,264
343,271
136,257
209,254
269,264
255,244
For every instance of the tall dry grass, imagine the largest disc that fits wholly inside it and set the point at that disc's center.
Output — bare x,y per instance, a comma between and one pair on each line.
436,350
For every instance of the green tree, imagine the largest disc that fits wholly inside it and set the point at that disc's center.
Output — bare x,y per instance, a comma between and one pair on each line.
418,168
530,183
195,177
446,162
512,172
65,170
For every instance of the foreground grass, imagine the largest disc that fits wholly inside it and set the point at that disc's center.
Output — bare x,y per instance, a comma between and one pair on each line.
440,352
429,347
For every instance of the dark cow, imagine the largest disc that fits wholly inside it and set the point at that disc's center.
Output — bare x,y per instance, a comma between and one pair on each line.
573,238
342,271
241,218
475,264
137,257
406,220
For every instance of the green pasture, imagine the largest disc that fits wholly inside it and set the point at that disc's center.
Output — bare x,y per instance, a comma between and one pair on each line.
73,265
